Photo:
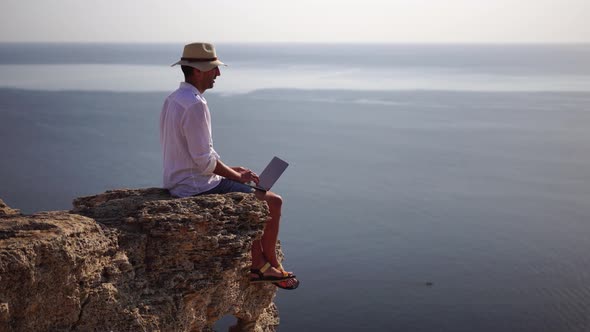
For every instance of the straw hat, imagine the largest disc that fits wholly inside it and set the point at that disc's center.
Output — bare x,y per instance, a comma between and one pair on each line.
199,55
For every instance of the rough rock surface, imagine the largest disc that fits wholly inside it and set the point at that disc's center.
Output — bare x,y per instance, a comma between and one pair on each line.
5,210
133,260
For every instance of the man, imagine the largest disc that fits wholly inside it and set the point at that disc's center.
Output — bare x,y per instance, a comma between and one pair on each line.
193,167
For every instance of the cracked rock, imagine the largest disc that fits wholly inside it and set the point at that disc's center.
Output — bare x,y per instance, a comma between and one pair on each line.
134,260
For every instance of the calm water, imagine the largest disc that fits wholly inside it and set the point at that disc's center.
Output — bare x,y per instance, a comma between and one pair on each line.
476,183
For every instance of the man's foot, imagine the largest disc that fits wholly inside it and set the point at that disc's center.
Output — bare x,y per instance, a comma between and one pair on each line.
288,284
280,268
268,273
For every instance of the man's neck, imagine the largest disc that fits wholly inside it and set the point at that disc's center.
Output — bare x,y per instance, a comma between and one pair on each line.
195,85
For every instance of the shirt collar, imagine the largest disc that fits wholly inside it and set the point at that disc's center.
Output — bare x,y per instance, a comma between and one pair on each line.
188,86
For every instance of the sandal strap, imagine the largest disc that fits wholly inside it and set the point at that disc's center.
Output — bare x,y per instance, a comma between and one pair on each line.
285,273
265,267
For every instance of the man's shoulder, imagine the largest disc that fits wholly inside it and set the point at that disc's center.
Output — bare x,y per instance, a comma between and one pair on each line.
186,99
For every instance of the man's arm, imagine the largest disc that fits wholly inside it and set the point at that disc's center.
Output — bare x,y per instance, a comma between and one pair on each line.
195,127
239,174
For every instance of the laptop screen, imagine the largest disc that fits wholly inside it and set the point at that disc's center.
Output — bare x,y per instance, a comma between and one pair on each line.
272,172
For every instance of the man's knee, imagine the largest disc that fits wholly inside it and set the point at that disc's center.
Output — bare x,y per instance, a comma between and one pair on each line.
274,201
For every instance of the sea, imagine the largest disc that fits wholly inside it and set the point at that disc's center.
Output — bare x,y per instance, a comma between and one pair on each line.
431,187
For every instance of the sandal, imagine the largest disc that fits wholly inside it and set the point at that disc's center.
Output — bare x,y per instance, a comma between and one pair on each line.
288,284
280,268
262,278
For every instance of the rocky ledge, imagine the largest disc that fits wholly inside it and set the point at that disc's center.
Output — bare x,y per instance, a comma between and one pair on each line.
134,260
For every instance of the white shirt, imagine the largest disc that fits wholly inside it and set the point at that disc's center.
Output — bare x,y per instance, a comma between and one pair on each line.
187,143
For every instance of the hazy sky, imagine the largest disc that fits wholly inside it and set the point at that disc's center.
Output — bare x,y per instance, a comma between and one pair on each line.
406,21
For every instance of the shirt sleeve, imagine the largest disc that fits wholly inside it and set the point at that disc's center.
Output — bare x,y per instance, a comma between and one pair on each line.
196,130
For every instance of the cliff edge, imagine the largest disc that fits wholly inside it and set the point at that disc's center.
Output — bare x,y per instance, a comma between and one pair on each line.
134,260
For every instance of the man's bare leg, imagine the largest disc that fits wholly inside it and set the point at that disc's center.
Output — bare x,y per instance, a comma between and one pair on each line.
265,249
271,230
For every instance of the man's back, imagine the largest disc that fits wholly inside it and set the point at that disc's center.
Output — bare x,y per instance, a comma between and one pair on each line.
187,146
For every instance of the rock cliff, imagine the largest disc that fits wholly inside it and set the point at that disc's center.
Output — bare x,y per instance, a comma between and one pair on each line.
133,260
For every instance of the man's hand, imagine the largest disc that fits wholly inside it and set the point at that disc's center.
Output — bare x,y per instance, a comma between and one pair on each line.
246,175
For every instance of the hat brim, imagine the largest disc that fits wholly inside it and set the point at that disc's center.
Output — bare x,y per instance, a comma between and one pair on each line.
203,66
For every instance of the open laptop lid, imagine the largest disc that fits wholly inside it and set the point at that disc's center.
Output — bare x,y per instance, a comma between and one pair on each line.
271,174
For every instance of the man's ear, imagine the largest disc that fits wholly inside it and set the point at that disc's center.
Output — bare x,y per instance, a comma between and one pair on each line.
196,72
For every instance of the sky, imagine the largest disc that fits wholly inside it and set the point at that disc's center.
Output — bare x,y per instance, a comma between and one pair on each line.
312,21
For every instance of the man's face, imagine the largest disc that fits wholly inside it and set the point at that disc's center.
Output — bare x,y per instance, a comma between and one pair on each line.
206,79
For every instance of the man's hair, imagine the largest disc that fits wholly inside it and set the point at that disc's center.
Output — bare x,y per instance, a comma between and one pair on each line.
187,71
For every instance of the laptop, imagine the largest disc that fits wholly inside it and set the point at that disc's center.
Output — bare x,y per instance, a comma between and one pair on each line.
270,174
